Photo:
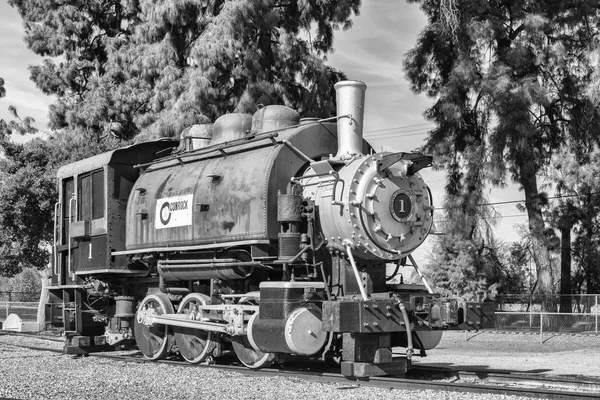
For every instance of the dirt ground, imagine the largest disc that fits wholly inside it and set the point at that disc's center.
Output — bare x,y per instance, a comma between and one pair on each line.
569,355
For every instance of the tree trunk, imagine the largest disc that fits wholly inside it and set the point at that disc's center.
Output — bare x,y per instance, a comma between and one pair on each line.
44,297
565,269
591,269
539,243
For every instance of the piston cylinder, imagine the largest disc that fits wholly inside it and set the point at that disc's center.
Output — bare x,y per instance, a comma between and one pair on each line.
289,318
300,333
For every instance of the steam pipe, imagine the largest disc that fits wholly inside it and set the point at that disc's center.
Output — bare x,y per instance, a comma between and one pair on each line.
55,258
414,264
351,109
298,152
164,288
199,261
410,349
363,293
71,200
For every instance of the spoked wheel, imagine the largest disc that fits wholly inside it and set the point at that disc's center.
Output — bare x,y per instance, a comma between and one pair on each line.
195,345
248,355
153,341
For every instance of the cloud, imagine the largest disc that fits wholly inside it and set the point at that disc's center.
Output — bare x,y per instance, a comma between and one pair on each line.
21,92
373,52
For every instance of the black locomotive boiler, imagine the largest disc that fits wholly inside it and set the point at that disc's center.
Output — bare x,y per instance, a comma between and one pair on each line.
266,236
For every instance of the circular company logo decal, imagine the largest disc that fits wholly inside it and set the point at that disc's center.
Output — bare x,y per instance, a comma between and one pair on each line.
401,206
165,213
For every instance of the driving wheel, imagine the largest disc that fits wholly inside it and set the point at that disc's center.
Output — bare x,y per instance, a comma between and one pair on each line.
153,341
195,345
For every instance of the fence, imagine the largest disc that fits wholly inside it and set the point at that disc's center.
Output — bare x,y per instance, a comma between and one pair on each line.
547,322
24,304
27,311
19,296
533,313
581,303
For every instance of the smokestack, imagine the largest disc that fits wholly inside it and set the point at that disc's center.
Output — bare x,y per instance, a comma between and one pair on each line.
350,101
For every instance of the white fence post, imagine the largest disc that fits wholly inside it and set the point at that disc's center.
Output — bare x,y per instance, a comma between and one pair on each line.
597,311
541,327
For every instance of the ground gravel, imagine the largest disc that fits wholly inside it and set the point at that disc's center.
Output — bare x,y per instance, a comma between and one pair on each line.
31,374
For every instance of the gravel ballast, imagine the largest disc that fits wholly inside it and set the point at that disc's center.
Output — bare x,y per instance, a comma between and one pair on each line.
31,374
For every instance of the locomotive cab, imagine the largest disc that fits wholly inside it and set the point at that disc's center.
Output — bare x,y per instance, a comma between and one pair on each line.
89,225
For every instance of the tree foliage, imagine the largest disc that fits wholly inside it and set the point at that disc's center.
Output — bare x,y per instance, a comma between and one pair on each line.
17,125
468,262
27,207
157,67
511,82
25,286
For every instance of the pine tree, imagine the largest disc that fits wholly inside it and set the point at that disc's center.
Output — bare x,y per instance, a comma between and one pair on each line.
510,79
17,125
157,67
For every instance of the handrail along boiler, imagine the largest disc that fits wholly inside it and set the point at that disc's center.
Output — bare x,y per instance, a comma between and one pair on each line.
267,236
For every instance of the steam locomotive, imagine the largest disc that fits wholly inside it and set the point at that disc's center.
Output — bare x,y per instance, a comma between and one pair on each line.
265,236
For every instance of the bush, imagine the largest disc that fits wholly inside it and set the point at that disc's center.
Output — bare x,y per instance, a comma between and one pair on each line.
25,286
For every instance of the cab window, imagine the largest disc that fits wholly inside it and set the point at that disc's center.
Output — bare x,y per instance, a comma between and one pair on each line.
90,196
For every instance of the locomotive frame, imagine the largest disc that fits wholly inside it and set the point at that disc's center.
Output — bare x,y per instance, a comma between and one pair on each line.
257,241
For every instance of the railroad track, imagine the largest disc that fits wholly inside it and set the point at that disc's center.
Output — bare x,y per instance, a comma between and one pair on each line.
511,377
535,386
33,335
420,378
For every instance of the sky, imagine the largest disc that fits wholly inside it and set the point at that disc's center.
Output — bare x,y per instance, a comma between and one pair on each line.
371,51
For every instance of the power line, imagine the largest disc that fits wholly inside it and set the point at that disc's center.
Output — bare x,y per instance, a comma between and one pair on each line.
400,132
523,200
400,127
494,217
394,136
497,203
